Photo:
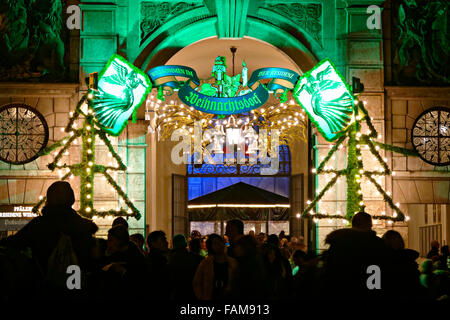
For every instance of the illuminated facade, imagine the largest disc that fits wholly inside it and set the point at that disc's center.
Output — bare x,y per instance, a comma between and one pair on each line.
399,84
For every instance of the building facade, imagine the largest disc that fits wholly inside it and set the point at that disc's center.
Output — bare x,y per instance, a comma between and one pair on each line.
399,84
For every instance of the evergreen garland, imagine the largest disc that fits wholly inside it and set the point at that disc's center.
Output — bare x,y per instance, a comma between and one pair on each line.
87,169
355,170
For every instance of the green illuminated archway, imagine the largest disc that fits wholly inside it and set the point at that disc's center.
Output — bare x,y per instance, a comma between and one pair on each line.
159,48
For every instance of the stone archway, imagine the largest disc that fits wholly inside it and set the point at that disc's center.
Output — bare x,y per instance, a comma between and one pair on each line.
303,46
200,56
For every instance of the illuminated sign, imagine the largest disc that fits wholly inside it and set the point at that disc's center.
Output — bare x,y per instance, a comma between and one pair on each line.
326,98
14,217
122,89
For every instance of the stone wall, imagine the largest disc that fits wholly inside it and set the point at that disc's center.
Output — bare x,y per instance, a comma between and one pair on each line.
416,182
23,184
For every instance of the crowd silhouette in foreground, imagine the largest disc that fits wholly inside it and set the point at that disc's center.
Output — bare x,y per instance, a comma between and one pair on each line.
237,266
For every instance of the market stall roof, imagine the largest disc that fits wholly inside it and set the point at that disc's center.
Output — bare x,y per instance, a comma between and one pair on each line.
241,201
241,194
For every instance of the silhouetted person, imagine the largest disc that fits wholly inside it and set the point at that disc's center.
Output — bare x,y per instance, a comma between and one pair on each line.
434,251
57,223
139,240
444,257
182,267
250,282
304,280
403,273
120,221
157,270
195,246
215,275
350,254
125,264
234,231
278,268
429,280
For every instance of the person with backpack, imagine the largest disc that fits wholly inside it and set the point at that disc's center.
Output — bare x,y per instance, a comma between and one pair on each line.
57,239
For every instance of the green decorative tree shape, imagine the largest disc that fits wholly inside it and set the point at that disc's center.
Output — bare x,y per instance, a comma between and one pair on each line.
87,168
355,169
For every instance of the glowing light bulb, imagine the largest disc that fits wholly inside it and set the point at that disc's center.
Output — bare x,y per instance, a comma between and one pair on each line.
88,196
397,204
389,221
41,197
383,213
90,163
90,96
394,214
407,218
88,185
308,202
88,209
88,128
298,215
314,170
89,151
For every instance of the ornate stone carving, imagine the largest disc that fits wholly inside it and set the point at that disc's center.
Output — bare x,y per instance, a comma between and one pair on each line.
305,16
31,44
423,46
154,14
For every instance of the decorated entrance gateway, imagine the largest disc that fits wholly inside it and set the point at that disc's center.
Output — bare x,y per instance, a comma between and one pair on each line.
321,92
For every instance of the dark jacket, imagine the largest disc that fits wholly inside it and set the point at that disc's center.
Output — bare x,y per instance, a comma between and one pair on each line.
157,280
250,281
42,234
434,252
133,261
182,267
403,276
350,254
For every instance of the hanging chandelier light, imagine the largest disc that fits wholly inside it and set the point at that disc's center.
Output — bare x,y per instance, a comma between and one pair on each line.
237,129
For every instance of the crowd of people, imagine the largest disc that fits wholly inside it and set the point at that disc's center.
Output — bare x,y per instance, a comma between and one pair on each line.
210,267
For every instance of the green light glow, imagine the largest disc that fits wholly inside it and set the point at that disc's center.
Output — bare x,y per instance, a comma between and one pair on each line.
122,89
326,99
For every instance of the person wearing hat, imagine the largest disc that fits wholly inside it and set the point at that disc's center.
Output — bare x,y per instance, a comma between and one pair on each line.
42,233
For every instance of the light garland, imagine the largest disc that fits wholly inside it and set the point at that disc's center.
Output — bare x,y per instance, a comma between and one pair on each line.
87,169
289,119
355,171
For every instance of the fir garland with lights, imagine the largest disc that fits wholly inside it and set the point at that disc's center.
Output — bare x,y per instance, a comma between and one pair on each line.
355,170
87,169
